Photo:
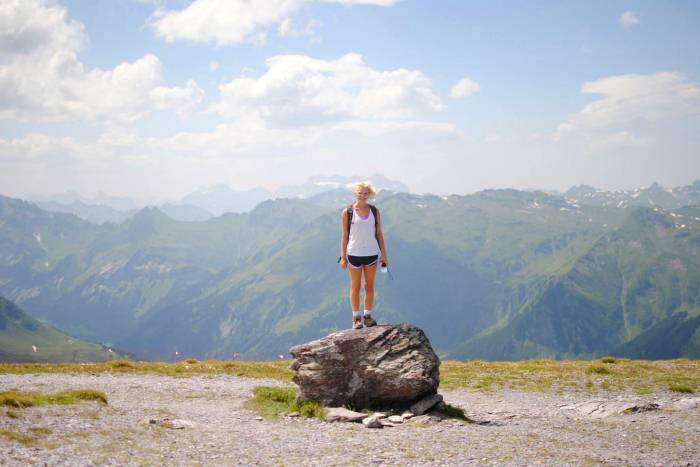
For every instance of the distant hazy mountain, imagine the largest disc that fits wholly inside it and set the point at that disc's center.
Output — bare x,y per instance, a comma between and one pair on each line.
653,196
319,184
500,274
97,214
24,339
185,212
220,199
101,200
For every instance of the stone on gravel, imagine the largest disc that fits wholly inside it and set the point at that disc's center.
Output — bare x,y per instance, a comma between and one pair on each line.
425,404
379,415
386,422
172,423
372,422
406,415
420,420
395,419
293,414
390,366
341,414
642,408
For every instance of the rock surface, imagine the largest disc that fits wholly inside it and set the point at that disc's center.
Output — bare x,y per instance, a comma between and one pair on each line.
341,414
382,366
425,404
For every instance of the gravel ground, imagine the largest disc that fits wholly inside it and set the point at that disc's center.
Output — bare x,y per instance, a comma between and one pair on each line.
518,428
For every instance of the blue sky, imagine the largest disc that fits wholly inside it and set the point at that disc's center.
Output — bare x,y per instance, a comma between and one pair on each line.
153,99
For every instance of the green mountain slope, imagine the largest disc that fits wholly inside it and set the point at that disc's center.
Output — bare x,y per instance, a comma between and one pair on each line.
626,286
19,332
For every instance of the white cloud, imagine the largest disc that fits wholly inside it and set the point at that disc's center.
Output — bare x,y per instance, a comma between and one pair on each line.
464,87
628,99
41,78
222,22
235,21
182,100
287,28
299,90
628,19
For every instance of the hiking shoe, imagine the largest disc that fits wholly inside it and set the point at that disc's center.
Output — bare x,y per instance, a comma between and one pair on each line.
357,323
369,322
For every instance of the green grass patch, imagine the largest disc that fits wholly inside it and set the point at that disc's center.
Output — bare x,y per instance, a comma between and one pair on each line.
569,375
11,414
598,370
20,400
274,369
271,402
608,360
644,391
40,431
681,388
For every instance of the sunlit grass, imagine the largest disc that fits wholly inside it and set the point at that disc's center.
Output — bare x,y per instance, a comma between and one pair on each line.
271,402
20,400
571,375
477,375
190,367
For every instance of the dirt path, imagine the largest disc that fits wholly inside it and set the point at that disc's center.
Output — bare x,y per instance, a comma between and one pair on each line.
514,428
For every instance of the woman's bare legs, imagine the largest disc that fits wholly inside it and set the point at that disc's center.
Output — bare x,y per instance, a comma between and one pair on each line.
355,283
370,273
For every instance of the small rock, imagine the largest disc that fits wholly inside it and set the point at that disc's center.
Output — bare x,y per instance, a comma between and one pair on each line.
341,414
395,419
386,422
372,422
258,418
420,419
379,415
176,424
293,414
406,415
642,408
425,404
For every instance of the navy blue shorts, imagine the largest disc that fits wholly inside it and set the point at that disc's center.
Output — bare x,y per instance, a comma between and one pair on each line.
359,261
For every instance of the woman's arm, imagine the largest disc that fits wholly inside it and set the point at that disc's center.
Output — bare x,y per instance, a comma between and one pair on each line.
384,258
344,239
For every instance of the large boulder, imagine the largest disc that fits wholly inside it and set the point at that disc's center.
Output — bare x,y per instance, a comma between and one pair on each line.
379,367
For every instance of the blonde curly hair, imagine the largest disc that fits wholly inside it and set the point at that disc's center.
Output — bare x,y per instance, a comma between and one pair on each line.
366,184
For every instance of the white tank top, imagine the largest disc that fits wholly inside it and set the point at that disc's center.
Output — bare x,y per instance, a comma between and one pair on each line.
363,239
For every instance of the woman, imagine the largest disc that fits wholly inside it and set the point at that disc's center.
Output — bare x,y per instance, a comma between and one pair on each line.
361,247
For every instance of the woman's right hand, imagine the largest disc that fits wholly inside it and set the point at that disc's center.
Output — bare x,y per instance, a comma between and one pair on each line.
344,263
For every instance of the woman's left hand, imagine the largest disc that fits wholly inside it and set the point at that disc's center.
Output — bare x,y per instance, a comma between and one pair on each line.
384,261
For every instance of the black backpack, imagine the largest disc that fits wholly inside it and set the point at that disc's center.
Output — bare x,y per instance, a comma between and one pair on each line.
350,210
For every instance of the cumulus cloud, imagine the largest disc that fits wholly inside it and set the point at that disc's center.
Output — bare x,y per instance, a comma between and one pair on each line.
235,21
464,87
41,78
628,19
299,90
182,100
631,98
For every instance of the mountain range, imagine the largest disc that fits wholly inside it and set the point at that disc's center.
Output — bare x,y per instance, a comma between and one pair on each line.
500,274
206,202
